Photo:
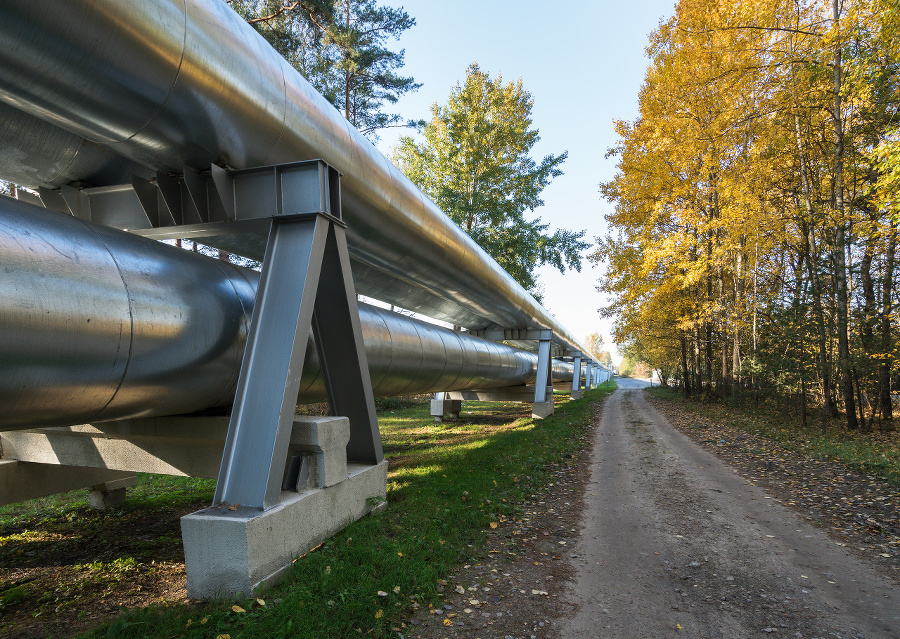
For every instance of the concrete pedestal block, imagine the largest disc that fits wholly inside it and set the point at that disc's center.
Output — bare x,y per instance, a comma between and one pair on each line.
576,394
102,499
325,440
540,410
234,553
440,408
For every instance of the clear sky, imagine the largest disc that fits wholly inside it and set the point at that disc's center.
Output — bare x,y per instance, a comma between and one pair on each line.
583,63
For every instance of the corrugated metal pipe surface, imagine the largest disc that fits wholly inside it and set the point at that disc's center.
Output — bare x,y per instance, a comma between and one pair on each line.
99,324
96,90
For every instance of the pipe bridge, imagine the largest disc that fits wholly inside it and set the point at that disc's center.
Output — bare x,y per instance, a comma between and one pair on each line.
174,119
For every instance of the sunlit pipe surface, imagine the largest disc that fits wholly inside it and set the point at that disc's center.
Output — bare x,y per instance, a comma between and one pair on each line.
99,324
170,83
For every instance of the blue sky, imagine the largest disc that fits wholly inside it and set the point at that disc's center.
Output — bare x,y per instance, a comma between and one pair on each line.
583,64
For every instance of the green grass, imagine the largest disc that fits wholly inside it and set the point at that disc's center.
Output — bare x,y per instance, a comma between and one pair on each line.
875,453
446,484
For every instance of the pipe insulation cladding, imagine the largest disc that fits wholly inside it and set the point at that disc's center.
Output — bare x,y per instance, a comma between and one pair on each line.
98,90
99,324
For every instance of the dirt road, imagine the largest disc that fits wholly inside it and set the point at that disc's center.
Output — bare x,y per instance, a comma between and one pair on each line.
675,544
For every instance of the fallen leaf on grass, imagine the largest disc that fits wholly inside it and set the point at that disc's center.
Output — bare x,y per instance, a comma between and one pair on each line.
379,613
494,524
237,609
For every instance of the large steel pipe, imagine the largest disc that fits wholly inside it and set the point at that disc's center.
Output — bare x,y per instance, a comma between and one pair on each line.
170,83
99,324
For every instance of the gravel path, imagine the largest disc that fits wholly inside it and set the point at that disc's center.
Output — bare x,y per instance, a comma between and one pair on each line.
675,544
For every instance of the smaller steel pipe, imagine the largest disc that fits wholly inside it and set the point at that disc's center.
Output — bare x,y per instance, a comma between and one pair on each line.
98,324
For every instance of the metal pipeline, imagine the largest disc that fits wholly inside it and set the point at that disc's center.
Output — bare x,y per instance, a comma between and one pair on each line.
99,324
115,85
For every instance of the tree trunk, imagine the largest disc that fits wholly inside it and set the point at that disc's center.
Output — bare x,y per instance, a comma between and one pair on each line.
347,70
887,282
840,242
698,363
685,372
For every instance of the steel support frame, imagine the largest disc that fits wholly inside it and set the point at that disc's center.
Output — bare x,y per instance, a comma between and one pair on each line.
290,216
305,285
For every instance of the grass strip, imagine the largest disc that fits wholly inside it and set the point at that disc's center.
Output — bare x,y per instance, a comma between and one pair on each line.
446,484
875,452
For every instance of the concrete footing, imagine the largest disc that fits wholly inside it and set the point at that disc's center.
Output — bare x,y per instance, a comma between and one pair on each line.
539,410
233,550
234,553
110,494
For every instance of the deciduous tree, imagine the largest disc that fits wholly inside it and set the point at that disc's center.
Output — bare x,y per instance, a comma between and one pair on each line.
475,163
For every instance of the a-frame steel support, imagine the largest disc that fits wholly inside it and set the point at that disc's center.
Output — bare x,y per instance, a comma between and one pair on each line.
305,285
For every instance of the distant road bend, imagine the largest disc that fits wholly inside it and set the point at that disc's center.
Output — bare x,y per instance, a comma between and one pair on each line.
675,544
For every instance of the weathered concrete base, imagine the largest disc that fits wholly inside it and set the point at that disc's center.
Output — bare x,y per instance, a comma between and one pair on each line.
233,553
20,481
539,410
576,394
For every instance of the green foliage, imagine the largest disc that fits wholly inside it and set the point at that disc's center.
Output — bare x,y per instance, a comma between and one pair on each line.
754,239
475,164
340,47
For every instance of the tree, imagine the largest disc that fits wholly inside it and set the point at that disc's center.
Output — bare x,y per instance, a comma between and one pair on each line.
367,66
340,47
475,164
756,203
595,345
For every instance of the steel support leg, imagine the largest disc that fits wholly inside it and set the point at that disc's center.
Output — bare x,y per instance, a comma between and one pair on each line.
339,342
576,377
305,270
543,383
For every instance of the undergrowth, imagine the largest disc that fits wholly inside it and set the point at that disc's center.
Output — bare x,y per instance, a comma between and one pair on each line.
874,452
